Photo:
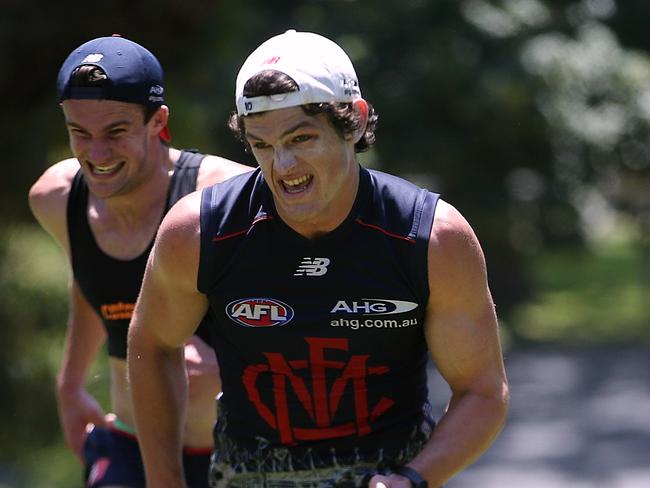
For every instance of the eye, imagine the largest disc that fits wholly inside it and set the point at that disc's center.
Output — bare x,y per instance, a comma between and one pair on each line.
302,138
73,131
113,133
260,145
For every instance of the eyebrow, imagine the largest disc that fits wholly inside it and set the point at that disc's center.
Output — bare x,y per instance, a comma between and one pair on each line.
299,125
106,129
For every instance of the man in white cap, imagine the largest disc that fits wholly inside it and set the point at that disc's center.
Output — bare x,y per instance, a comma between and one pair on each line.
330,285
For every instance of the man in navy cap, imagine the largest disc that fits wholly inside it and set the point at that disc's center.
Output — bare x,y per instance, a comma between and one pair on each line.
331,286
104,206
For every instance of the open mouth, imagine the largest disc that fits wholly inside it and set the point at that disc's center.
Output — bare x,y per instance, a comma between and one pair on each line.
297,185
106,170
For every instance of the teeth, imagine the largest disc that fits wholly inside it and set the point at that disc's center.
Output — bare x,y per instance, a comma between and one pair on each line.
297,181
106,169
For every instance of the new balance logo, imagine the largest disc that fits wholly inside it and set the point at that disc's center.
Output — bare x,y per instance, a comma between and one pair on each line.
312,267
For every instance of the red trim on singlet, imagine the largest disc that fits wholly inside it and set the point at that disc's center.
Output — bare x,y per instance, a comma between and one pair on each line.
389,234
241,232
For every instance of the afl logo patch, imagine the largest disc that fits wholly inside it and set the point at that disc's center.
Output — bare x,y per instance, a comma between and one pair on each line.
259,312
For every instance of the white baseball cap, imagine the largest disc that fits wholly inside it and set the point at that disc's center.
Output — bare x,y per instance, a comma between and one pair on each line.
322,70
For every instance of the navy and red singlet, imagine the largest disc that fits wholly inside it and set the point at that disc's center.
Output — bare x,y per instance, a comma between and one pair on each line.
320,341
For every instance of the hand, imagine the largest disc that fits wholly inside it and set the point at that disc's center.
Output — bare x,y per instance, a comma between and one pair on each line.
204,379
78,412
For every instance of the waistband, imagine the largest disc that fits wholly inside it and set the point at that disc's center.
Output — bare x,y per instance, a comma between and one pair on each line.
125,430
265,457
358,476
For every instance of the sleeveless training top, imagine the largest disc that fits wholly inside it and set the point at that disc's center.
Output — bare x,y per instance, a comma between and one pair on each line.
320,341
111,285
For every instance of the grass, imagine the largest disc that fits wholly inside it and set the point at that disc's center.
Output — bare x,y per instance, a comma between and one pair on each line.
588,297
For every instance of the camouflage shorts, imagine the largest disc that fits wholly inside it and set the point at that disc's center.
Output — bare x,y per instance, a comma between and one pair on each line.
357,476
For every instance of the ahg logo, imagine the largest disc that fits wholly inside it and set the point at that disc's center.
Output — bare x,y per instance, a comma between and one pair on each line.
376,306
259,312
312,267
286,378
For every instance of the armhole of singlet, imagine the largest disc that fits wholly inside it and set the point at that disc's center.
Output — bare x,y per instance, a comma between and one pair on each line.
423,218
207,258
76,219
186,173
221,206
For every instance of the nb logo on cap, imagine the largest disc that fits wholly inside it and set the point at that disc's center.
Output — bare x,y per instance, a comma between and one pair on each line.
248,106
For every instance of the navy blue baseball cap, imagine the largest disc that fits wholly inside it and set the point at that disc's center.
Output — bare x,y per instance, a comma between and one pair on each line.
134,74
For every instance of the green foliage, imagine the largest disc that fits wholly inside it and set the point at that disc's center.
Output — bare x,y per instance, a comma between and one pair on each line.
597,297
33,310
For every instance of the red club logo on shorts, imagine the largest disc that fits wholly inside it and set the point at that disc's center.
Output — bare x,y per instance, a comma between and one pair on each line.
259,312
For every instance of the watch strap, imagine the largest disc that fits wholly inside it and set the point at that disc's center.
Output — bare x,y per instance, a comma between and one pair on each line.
414,477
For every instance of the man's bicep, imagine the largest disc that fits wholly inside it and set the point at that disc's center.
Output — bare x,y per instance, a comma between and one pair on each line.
465,348
461,326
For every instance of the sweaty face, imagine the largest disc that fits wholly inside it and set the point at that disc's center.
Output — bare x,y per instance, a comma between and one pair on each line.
110,141
310,169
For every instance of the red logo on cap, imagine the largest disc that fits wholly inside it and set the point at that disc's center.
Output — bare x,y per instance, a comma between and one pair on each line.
272,60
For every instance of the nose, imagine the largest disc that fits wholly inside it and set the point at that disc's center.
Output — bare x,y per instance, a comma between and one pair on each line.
99,151
284,160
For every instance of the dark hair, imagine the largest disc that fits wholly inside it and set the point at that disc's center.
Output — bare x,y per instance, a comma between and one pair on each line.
341,115
88,75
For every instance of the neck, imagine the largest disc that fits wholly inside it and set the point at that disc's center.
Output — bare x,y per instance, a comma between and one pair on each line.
146,198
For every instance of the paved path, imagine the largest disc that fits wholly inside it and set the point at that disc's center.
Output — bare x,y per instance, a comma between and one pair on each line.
579,418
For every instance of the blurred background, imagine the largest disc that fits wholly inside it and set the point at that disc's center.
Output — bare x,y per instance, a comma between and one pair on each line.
531,116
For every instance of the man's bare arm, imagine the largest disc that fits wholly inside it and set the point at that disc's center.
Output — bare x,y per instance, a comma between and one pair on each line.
461,332
167,313
85,334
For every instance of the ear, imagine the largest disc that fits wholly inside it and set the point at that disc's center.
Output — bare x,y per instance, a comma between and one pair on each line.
159,120
360,106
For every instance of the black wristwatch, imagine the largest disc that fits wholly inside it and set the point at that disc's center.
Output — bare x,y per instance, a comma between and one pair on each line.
414,477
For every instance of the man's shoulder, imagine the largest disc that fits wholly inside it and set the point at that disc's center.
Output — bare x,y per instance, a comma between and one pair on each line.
399,205
240,189
51,189
215,169
393,182
48,196
58,175
453,243
235,203
449,222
